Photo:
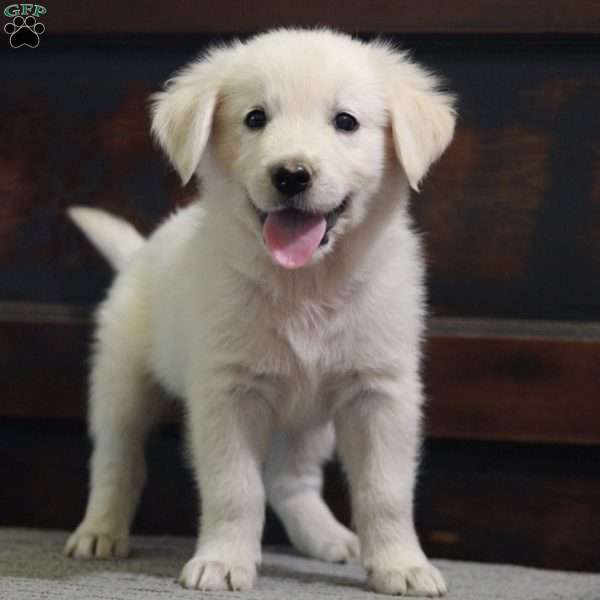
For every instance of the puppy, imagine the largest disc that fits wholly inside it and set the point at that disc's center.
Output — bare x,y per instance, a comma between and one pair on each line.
285,307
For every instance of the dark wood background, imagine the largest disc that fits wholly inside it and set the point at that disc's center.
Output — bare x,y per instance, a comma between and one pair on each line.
510,215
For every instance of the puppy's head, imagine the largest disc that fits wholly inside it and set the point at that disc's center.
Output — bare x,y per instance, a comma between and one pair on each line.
303,127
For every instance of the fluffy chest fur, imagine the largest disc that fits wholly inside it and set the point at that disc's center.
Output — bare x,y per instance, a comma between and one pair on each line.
301,342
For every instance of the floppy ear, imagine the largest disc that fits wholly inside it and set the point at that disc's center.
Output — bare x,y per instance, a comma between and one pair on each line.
182,115
422,117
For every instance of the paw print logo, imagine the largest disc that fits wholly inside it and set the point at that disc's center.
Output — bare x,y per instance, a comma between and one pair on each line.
24,31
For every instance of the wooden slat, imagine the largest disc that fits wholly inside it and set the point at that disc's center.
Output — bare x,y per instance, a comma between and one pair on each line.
500,388
473,328
44,369
518,388
436,16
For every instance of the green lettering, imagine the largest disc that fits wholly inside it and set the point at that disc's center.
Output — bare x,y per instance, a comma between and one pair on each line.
39,10
12,10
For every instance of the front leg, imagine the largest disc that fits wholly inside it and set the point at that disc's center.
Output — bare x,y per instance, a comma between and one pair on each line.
229,435
378,437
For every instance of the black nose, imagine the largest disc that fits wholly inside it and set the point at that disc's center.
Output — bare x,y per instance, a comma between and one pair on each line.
291,181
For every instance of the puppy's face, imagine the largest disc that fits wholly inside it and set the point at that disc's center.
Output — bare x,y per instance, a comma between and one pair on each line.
301,123
303,134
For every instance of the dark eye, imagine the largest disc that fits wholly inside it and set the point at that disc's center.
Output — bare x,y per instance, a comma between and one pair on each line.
345,122
256,119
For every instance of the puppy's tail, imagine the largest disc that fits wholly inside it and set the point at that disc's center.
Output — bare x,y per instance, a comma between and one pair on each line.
116,239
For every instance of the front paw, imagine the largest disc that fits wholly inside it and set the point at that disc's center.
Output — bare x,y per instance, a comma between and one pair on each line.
218,574
93,543
411,580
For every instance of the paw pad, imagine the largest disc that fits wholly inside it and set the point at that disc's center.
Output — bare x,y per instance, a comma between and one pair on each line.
24,31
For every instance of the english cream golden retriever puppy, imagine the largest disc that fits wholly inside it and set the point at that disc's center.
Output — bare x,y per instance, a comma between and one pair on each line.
285,308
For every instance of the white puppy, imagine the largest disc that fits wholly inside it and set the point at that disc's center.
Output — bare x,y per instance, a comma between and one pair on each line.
285,308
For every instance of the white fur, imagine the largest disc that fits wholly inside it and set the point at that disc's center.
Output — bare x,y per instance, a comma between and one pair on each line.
273,364
103,230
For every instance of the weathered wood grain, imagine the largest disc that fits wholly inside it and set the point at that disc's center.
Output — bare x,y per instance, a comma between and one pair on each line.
519,387
510,214
537,389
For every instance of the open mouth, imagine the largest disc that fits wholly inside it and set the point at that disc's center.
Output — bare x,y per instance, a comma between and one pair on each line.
292,236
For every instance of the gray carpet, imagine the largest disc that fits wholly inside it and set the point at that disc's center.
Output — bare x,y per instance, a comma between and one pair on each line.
32,567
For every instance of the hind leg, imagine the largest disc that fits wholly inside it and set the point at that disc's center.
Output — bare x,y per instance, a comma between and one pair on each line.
293,480
123,407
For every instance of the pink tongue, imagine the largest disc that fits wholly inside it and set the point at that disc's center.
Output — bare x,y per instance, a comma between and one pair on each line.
293,236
